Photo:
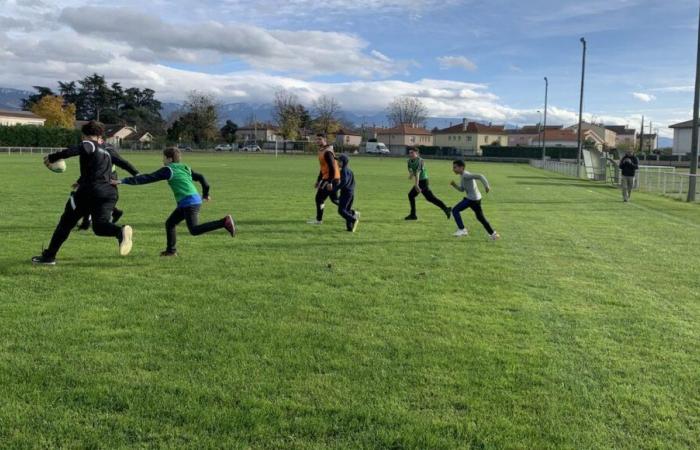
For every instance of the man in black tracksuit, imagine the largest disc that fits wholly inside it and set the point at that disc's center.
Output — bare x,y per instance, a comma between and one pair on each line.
628,165
347,194
95,193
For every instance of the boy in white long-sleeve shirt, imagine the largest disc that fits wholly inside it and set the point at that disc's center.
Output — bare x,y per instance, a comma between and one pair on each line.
472,200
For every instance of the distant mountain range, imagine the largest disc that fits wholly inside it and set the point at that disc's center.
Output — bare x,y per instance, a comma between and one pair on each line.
12,98
242,113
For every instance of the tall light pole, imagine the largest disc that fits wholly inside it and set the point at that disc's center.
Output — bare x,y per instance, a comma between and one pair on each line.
580,111
544,132
539,127
692,179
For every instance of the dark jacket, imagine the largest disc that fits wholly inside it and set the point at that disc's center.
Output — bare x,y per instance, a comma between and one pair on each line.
629,165
95,164
347,178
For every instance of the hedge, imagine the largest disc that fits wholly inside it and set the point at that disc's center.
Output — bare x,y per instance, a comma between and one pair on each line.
34,136
529,152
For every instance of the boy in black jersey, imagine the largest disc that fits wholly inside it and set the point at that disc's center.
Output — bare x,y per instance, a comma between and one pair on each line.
95,194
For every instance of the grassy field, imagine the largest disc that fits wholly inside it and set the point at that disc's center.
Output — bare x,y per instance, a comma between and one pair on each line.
579,329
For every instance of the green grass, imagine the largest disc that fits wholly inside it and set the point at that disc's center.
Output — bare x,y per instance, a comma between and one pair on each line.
579,329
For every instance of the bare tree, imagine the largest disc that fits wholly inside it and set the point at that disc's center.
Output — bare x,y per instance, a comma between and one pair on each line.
199,122
286,114
327,111
407,110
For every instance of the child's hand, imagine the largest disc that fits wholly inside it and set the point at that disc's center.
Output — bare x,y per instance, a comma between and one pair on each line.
487,189
47,163
74,186
329,187
115,182
453,184
207,198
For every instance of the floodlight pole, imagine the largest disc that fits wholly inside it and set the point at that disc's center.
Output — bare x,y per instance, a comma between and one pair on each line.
544,133
692,179
580,111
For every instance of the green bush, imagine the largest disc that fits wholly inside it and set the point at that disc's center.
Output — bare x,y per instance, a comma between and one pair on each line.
34,136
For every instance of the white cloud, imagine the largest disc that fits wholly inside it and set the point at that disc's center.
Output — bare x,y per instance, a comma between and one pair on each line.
447,62
675,89
643,97
302,52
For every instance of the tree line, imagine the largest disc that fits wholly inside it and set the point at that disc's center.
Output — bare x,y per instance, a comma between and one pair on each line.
93,98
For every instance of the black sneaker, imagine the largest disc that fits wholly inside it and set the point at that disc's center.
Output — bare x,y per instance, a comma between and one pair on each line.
116,215
168,253
44,259
411,217
448,212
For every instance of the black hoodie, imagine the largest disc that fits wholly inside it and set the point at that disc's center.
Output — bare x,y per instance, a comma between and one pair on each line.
347,178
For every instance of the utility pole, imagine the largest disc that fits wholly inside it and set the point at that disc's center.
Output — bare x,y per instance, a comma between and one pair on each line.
692,179
580,111
641,138
544,133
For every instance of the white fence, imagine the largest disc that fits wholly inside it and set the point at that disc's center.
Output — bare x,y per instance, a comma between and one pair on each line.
563,168
29,150
669,183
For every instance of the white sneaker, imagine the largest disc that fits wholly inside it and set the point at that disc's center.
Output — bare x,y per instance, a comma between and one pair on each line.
314,222
495,236
126,243
460,233
357,221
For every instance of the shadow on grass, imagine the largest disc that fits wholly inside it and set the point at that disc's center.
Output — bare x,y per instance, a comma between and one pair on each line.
540,177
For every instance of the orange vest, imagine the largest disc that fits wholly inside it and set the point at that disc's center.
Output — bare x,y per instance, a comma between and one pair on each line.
325,170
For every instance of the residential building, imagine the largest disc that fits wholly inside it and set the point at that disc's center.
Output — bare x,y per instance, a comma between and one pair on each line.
399,138
261,132
141,140
470,136
682,137
529,135
602,136
649,142
624,137
346,137
116,134
8,117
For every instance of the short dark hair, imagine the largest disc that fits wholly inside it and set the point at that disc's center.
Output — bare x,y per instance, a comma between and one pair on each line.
172,153
321,135
93,128
458,162
413,149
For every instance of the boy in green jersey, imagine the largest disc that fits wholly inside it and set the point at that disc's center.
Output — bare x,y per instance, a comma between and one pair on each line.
419,174
180,178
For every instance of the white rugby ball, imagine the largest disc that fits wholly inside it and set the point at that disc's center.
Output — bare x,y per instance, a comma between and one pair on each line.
58,167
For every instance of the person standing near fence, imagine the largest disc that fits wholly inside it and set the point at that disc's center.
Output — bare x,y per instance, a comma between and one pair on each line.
628,166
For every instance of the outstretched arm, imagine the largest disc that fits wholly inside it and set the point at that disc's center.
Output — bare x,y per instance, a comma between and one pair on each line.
121,162
161,174
203,181
63,154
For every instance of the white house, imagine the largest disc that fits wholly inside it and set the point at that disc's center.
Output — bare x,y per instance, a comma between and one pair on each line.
682,135
8,117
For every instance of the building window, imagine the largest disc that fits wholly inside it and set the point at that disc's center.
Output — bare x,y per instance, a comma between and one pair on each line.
486,139
469,138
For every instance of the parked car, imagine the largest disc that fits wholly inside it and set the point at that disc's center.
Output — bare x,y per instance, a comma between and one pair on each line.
251,148
184,148
376,147
223,148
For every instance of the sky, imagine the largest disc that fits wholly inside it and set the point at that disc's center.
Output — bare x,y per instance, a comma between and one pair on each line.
484,60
